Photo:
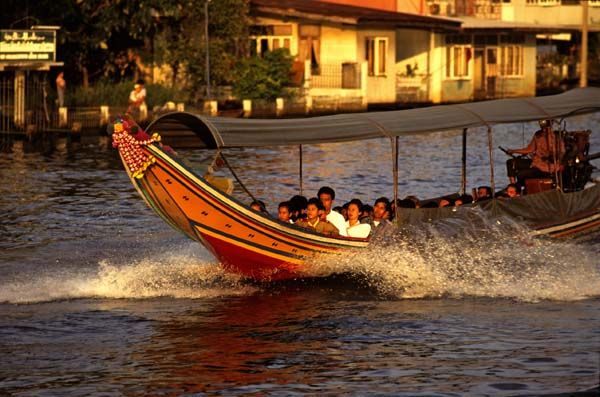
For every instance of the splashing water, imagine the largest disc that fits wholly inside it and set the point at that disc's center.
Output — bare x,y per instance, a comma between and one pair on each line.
168,275
464,258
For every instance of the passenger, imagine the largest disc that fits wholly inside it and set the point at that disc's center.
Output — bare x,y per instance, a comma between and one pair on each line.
314,210
484,193
327,195
546,150
353,226
445,202
381,211
258,205
430,204
501,195
345,211
513,190
464,199
415,200
283,212
298,207
406,203
338,209
366,214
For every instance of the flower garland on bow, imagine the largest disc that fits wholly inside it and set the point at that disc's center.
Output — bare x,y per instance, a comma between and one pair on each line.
130,147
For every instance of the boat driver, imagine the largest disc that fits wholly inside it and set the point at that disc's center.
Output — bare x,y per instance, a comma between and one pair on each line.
546,150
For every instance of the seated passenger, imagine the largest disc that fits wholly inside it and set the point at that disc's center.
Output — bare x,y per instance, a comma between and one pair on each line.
314,210
327,195
445,202
353,226
484,193
513,190
283,212
259,206
298,207
415,200
366,213
381,212
464,199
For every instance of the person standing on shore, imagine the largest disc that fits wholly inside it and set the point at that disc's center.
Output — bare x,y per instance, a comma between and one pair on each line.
137,98
61,85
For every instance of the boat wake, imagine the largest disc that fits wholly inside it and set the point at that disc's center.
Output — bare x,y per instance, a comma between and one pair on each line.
454,258
182,275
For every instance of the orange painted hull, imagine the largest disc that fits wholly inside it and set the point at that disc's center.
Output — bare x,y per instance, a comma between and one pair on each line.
244,241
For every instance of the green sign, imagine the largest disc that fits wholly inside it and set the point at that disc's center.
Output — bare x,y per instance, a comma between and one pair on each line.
27,46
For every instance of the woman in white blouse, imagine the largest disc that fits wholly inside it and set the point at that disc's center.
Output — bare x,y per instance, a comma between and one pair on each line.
353,226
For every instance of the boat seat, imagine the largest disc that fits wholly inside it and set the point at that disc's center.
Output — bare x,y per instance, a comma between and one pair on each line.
538,185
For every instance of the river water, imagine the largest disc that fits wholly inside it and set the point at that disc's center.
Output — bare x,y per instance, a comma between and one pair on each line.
99,297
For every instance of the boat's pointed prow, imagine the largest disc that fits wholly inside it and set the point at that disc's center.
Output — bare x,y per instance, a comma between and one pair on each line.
244,241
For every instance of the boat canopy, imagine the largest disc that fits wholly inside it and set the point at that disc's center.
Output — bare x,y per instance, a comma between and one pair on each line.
223,132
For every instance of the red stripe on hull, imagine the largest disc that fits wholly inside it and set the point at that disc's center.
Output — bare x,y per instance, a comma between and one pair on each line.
250,263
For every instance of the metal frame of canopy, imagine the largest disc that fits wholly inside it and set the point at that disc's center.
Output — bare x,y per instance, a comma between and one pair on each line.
218,132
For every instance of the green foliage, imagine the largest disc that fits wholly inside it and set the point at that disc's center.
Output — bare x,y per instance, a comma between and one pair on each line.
264,78
117,94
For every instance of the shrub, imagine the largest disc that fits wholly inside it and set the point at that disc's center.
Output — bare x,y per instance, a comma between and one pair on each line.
264,78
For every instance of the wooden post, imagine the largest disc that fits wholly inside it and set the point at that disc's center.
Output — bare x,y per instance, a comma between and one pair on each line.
463,179
211,107
278,106
300,170
583,80
491,154
63,117
143,112
104,115
247,107
309,104
395,175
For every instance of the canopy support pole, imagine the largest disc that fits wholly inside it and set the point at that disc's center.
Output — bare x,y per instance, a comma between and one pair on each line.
300,170
394,142
463,179
491,155
236,177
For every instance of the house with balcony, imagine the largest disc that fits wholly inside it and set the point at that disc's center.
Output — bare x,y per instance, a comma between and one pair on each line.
342,52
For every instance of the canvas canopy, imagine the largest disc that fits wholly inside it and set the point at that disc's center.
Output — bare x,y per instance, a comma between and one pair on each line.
221,132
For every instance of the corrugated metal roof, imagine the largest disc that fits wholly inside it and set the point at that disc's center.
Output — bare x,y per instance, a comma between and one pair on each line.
352,15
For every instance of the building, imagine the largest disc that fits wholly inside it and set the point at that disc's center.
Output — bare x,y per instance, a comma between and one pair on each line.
343,51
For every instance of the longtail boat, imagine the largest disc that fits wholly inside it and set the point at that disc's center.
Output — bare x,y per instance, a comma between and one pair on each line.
262,248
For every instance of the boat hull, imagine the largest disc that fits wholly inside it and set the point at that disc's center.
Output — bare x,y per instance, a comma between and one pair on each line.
261,248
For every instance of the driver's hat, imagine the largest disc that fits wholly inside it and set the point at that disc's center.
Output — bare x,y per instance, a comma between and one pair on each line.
545,123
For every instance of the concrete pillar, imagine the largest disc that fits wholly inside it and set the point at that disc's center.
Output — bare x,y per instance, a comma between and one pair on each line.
364,75
247,107
181,107
104,115
279,106
143,112
19,108
63,117
309,103
307,75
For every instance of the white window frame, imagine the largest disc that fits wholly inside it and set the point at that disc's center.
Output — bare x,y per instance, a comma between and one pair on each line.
376,56
516,67
271,40
466,73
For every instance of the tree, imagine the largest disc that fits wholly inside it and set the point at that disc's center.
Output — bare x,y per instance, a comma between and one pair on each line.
264,78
